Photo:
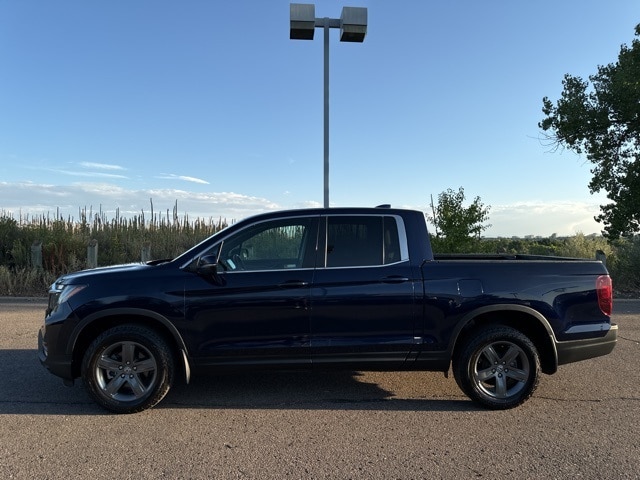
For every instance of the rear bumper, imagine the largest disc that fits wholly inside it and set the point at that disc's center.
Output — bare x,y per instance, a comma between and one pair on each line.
577,350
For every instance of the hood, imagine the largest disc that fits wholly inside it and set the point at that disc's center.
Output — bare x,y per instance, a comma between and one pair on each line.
84,275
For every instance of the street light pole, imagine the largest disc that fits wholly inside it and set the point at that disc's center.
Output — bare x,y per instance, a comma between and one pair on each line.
353,28
326,113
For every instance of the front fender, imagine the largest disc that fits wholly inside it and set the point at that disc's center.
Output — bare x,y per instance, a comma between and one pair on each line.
80,336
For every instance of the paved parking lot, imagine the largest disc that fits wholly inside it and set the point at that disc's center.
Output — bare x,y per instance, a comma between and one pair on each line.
582,422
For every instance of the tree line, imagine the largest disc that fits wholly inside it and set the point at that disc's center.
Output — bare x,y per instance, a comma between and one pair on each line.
121,240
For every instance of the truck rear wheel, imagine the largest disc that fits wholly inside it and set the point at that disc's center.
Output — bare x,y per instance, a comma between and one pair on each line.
498,367
128,368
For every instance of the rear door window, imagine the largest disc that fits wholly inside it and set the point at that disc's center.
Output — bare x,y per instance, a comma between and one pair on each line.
367,240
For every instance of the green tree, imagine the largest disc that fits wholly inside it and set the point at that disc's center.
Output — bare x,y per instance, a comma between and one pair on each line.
602,121
457,228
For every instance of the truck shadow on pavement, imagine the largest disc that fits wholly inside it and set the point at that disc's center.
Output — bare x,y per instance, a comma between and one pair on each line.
28,389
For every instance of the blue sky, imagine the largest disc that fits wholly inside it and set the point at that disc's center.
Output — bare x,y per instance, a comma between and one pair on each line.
108,104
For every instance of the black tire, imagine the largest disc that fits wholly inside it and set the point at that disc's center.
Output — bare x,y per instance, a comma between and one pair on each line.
497,367
128,368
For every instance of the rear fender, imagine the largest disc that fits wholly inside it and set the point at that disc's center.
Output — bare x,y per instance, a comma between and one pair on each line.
525,319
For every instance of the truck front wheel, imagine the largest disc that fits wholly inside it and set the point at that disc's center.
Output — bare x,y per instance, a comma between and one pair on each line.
128,368
497,367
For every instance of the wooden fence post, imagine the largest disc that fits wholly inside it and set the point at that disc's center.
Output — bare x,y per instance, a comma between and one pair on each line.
36,254
92,254
145,254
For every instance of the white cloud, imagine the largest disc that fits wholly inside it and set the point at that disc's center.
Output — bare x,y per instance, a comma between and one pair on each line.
308,204
30,199
542,218
101,166
86,173
171,176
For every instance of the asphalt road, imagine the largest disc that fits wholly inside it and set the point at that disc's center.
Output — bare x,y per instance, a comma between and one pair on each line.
583,422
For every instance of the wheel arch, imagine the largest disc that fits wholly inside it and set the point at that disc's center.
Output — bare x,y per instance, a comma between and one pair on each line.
519,317
93,325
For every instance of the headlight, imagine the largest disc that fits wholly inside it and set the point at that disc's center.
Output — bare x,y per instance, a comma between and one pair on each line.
60,293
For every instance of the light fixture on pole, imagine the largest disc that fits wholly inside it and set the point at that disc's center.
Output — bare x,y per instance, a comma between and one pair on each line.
353,28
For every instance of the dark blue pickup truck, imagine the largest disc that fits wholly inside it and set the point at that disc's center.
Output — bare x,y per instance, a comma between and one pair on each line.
349,288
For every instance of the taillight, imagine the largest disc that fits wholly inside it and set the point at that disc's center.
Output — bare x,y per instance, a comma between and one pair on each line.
604,288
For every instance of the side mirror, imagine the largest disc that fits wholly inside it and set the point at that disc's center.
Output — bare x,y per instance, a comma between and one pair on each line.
207,262
208,267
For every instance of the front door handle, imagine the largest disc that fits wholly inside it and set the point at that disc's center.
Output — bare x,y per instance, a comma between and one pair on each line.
394,279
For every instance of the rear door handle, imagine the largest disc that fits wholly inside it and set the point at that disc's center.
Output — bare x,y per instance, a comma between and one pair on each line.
293,284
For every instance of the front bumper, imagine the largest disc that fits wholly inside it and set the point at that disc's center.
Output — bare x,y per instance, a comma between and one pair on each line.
57,364
576,350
